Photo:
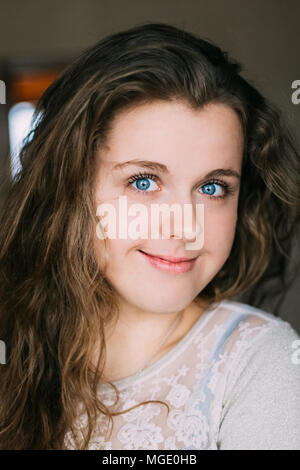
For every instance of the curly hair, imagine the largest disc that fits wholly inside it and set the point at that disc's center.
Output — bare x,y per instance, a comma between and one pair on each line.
54,299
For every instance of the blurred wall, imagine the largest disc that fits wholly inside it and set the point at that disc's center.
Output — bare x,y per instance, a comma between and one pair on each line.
263,35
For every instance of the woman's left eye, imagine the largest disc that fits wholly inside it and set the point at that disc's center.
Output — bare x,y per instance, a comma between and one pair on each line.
212,192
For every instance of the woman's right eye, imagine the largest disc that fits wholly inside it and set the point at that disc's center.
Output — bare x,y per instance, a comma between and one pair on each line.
144,183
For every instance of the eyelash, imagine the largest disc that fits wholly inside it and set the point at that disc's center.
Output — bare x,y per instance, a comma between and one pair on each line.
227,189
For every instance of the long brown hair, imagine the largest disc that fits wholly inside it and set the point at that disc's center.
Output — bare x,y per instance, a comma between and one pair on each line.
54,299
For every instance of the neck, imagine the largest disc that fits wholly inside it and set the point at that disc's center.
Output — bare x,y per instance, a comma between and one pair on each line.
135,336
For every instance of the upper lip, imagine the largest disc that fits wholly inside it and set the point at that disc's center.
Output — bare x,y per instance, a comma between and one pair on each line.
173,259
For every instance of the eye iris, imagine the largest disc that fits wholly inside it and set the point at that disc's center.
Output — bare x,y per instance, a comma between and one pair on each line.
143,183
211,189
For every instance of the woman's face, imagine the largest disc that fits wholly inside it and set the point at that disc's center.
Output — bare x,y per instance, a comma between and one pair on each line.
187,145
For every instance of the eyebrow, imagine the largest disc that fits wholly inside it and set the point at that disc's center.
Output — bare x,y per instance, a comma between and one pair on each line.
156,166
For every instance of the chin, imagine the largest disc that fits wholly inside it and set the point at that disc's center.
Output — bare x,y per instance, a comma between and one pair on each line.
157,304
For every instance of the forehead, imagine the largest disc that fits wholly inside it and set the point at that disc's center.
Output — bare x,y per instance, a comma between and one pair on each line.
175,135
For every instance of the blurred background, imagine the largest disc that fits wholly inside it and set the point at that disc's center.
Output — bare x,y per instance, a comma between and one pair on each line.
38,39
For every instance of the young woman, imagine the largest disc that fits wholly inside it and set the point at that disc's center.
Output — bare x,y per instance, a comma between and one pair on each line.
144,342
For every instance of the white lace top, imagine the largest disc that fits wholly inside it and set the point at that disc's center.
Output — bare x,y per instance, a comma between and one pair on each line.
232,382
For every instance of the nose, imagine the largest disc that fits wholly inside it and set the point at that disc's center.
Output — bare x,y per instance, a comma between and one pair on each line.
185,221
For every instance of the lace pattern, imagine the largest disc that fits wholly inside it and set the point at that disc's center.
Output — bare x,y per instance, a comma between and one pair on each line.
191,379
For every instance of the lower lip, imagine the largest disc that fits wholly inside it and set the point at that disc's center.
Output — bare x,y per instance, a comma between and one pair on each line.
168,266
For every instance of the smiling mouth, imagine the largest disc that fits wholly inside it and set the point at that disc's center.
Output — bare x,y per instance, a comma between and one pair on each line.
170,267
169,259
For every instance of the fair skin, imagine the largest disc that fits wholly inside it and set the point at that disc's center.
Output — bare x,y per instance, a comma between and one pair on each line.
190,144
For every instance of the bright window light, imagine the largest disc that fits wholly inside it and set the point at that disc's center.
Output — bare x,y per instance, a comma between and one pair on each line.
19,125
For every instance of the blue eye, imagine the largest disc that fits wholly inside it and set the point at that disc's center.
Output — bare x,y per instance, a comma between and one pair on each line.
143,183
210,189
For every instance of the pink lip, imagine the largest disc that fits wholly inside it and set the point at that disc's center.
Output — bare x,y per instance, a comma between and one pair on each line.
173,259
169,265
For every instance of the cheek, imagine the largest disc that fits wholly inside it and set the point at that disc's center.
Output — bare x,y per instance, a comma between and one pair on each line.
118,249
219,230
117,252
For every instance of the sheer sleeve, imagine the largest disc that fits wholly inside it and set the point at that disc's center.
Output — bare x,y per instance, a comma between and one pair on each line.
261,403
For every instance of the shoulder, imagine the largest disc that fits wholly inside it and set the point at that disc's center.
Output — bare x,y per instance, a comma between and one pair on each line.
237,307
261,334
262,385
245,334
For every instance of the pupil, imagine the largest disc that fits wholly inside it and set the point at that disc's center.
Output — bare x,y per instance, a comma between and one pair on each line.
143,183
210,188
